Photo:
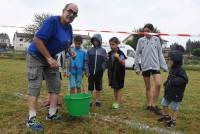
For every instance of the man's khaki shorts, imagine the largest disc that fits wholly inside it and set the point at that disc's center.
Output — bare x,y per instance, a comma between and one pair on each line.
37,70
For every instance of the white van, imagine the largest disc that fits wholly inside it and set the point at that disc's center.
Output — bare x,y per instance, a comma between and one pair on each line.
128,51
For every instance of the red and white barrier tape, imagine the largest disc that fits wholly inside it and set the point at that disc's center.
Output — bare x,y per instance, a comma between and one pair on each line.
139,33
124,32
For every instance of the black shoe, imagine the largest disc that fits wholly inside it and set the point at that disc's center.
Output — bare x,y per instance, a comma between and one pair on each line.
148,108
164,119
98,103
156,110
171,123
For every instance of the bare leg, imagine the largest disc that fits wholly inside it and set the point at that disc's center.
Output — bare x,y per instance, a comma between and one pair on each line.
97,95
148,90
78,90
72,91
156,93
32,101
165,111
115,95
53,99
91,92
174,115
118,96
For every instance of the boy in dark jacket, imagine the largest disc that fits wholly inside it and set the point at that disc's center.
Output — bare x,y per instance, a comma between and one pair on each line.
174,89
116,70
97,57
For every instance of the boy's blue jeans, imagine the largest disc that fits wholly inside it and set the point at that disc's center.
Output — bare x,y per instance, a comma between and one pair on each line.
174,105
75,81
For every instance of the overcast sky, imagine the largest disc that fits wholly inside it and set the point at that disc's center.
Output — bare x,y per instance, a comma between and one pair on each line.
169,16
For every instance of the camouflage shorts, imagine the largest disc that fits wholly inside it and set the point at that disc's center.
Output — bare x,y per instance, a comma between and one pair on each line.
37,70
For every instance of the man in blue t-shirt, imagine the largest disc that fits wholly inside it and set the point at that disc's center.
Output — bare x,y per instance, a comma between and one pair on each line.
54,36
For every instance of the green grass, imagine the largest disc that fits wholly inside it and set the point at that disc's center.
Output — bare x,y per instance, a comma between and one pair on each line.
13,108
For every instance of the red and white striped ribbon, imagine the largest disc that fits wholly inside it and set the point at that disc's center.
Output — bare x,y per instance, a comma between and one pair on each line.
124,32
140,33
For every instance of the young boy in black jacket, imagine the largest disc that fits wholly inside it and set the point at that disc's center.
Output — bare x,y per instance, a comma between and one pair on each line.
174,88
116,70
96,64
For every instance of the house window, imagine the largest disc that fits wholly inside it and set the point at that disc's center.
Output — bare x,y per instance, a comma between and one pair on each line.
21,39
21,45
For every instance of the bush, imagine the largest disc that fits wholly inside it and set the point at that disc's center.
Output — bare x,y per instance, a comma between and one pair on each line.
196,52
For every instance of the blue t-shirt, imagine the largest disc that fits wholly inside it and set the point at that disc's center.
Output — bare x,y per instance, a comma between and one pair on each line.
77,64
55,36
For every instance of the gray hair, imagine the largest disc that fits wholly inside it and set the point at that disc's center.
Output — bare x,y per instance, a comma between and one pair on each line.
66,6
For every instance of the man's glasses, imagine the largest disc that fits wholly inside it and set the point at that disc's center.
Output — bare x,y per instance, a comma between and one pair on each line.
70,11
147,31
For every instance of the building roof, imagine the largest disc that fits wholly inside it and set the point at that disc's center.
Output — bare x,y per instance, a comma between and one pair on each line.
23,35
4,36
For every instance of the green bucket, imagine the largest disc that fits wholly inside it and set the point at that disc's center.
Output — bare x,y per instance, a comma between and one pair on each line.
77,104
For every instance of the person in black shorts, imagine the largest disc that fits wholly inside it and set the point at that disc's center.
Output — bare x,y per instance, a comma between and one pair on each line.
149,52
96,64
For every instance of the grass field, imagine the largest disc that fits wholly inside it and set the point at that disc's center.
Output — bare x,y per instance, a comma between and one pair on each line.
13,108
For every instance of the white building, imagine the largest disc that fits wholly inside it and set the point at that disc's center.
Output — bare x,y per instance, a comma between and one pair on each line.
4,40
20,41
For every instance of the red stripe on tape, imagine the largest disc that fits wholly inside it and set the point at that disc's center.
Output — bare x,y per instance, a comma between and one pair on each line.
91,30
106,31
122,32
163,34
183,35
141,33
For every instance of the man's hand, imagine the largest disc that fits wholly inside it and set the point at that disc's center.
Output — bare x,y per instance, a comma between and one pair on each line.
53,63
73,54
68,75
64,72
87,74
165,70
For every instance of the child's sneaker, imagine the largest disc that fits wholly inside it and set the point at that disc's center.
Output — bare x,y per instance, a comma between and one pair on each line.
98,103
171,123
34,124
164,119
115,105
56,116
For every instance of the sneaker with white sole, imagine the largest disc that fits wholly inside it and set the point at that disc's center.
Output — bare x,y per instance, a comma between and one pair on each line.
115,106
34,124
56,116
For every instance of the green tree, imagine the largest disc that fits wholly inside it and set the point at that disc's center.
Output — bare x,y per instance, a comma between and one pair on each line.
191,45
132,43
31,29
87,45
196,52
176,46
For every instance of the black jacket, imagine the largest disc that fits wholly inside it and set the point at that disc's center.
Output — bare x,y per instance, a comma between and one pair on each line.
97,57
177,79
116,71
